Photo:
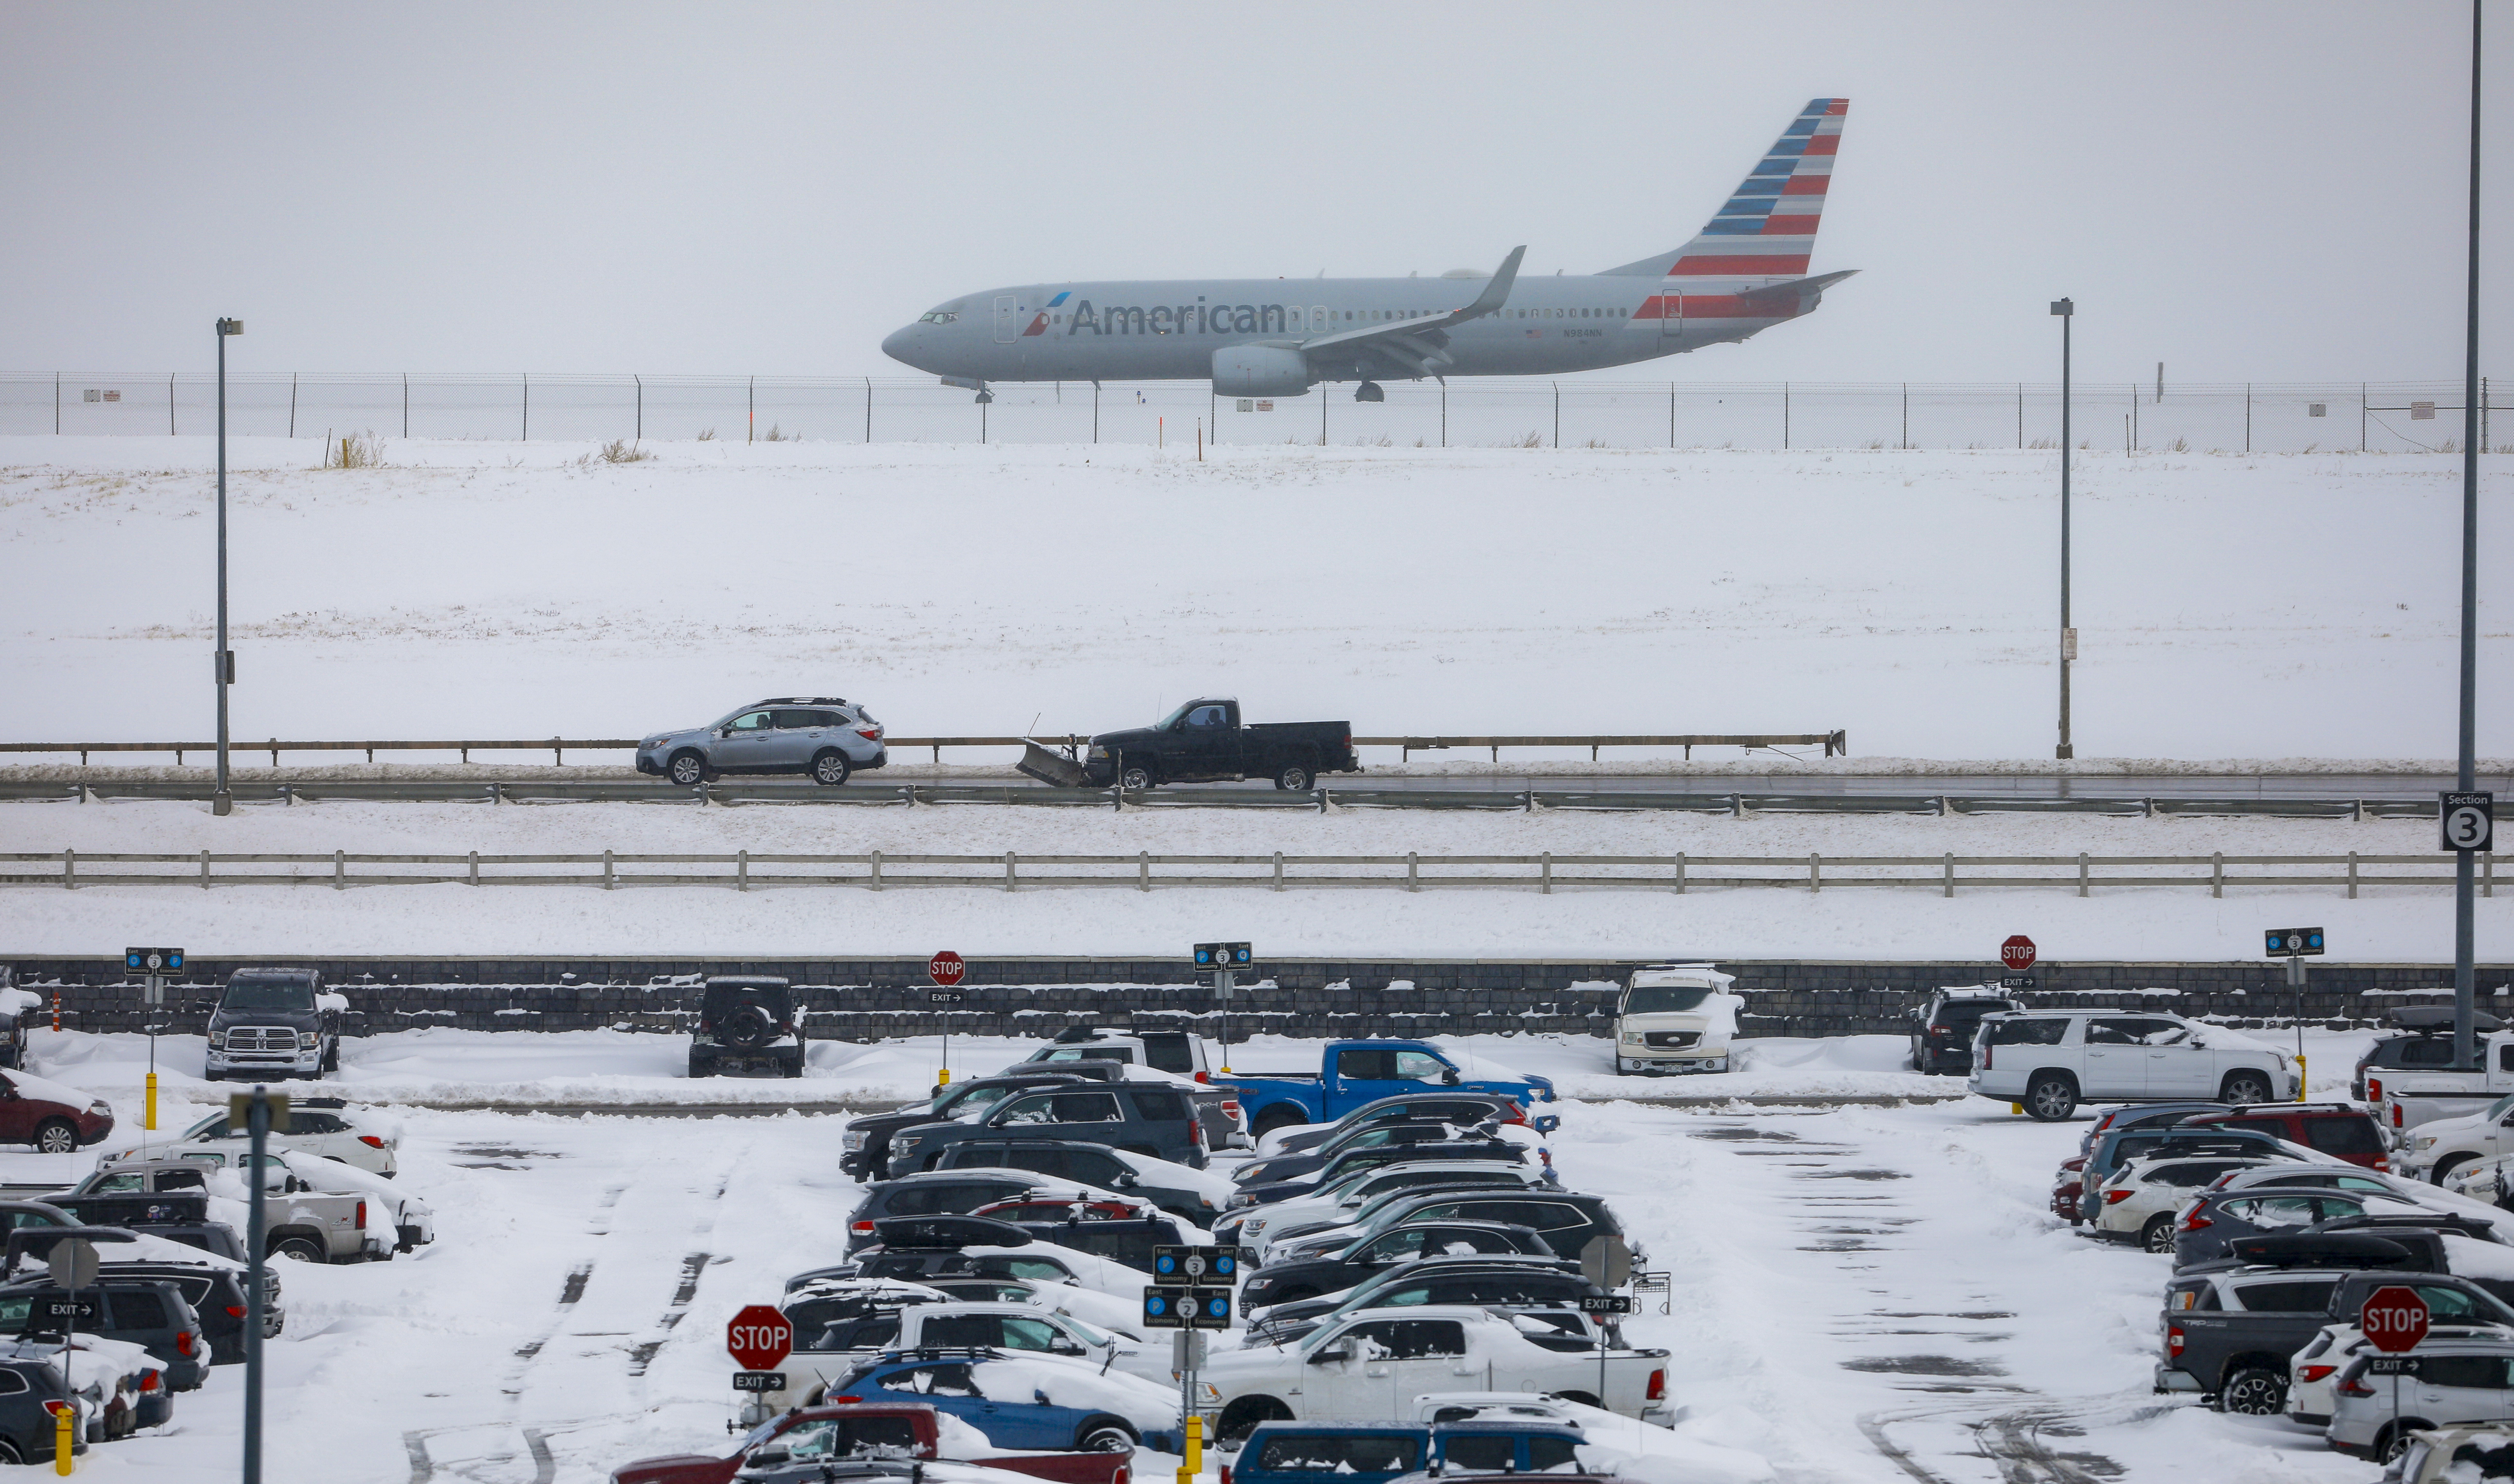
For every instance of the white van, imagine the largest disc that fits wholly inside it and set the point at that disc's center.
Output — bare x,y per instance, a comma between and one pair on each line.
1676,1018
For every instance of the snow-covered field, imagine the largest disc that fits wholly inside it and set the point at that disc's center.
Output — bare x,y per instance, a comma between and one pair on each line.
1834,1273
2229,607
2399,925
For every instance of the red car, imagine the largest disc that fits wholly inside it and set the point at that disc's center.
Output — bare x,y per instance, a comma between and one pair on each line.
2069,1189
54,1118
835,1431
2341,1130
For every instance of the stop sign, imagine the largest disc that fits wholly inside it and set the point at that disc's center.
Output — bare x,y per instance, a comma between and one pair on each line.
759,1337
2394,1319
2018,953
945,968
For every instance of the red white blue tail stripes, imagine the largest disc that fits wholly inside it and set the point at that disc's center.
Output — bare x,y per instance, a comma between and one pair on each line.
1765,232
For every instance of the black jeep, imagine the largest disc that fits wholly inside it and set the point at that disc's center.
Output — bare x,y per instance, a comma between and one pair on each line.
747,1025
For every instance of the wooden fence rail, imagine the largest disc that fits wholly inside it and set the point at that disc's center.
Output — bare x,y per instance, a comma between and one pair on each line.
1010,870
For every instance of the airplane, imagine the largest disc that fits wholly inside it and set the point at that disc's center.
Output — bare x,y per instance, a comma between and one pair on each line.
1743,273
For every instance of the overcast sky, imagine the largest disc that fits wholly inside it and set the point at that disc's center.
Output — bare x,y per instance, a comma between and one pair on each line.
2266,191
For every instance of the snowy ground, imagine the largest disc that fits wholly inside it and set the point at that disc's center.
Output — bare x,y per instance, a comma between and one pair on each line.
487,589
1837,1275
2393,925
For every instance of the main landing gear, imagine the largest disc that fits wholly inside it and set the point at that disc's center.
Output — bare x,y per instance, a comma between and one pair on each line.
1369,391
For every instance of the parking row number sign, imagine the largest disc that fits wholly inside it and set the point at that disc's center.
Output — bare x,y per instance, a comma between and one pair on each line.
2469,822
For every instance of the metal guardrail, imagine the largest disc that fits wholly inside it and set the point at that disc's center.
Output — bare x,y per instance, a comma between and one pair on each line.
559,747
1321,799
1413,871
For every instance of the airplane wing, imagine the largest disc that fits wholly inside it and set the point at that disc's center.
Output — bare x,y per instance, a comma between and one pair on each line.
1403,339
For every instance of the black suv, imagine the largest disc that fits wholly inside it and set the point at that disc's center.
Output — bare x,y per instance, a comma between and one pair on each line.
866,1143
272,1024
747,1023
25,1421
1942,1028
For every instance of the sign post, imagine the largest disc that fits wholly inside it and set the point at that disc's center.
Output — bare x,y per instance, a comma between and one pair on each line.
261,1111
758,1336
1221,959
153,966
947,969
1193,1292
2394,1320
74,1268
2468,818
1607,1263
2294,945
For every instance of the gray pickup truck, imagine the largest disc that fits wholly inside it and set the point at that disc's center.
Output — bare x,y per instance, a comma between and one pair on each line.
1202,742
2230,1332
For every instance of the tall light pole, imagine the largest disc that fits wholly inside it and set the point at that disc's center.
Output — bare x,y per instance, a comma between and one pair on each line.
2464,980
222,661
2068,636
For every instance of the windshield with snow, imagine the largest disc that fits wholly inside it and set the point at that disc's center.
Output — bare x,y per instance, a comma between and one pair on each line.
1663,999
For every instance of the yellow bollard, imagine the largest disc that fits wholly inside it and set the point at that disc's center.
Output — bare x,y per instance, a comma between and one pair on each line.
1193,1459
148,1106
2016,1107
943,1079
2300,1076
64,1417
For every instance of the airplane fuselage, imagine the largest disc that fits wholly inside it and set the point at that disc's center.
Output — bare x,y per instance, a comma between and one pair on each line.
1156,329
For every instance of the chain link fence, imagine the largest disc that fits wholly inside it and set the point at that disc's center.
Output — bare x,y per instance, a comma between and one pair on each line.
2372,416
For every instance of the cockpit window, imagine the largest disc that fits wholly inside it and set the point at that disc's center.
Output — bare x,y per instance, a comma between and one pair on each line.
938,317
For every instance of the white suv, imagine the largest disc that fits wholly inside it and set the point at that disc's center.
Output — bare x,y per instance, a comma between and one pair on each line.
2441,1383
2050,1060
324,1126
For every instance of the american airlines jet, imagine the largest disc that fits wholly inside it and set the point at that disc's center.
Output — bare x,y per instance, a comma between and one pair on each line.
1746,272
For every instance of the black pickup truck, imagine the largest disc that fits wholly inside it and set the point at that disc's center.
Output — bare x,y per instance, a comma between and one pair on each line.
2228,1331
1202,742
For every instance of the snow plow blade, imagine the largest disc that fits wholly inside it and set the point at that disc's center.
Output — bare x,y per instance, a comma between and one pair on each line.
1051,767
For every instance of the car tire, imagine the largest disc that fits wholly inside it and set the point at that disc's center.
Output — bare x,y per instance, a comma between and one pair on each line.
1103,1434
701,1066
687,767
2158,1234
830,768
56,1136
331,1054
1295,778
2050,1096
795,1064
301,1249
2444,1167
2254,1392
9,1452
2245,1087
1137,779
1242,1416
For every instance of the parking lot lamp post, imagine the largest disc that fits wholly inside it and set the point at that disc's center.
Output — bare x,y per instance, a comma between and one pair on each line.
2066,310
257,1110
223,663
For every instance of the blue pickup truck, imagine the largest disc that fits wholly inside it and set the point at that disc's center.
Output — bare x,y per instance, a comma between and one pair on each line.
1374,1453
1352,1073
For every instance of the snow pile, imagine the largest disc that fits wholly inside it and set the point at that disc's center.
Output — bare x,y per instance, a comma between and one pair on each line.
1060,1382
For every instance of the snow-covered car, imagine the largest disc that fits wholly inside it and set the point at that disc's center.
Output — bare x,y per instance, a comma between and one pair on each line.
2436,1151
2144,1198
119,1387
824,736
54,1117
1027,1400
324,1126
2379,1399
1372,1363
1191,1194
1443,1105
1013,1328
1676,1018
2453,1456
1339,1204
2313,1373
2050,1060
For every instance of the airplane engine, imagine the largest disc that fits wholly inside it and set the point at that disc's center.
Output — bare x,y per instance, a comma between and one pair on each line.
1260,371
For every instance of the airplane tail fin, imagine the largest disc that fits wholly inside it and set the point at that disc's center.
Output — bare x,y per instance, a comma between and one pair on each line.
1767,229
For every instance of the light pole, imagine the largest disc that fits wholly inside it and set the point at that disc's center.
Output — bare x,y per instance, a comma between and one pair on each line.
2464,978
222,661
2068,636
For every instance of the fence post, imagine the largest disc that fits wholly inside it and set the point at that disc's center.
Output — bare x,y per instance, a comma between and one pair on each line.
405,405
2247,417
476,868
1907,415
1558,414
1144,869
741,870
868,409
69,870
1445,413
1950,874
528,407
1545,872
1671,415
641,405
610,874
2352,875
1413,879
2082,873
1784,416
1278,870
1815,873
2217,873
340,871
1009,870
291,404
877,870
1680,874
2487,874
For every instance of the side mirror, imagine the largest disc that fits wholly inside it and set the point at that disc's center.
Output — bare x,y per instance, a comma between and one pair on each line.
767,1456
1449,1076
1334,1354
1126,1180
